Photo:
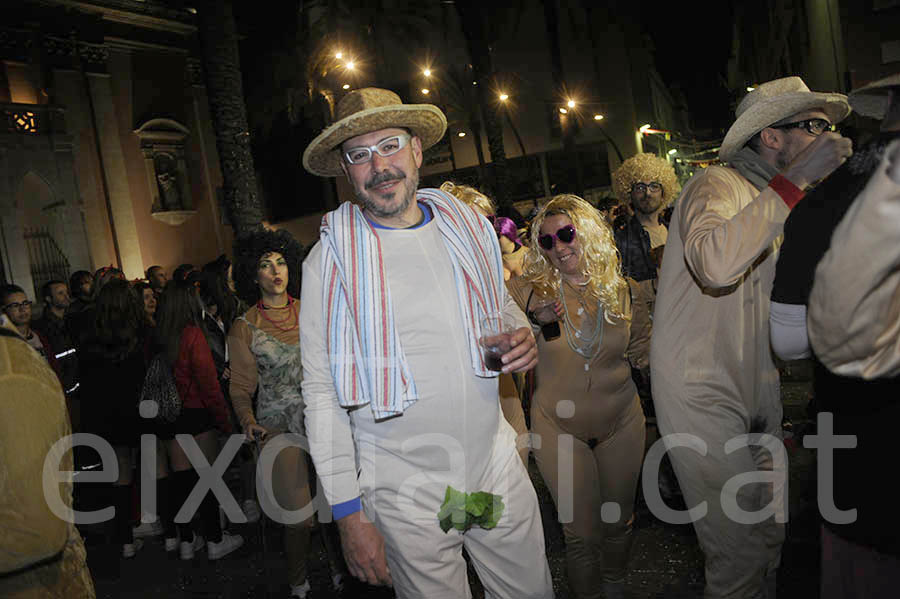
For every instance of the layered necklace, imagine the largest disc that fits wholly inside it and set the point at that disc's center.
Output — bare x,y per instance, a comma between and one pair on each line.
290,318
584,342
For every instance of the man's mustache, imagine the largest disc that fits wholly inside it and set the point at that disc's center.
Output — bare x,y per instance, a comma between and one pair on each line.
383,178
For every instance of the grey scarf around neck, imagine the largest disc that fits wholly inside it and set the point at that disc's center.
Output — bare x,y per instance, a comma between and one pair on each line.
752,167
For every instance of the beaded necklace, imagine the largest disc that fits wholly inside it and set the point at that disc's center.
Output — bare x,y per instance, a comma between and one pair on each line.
292,315
584,343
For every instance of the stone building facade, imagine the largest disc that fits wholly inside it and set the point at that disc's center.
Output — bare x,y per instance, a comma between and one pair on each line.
108,154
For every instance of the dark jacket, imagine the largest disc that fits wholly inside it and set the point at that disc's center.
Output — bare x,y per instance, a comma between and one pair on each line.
867,409
634,247
216,339
110,391
56,331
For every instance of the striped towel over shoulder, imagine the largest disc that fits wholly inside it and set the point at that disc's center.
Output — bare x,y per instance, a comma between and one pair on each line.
367,362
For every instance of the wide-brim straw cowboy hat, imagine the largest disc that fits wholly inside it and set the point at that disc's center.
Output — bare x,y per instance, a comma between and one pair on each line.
363,111
774,101
872,99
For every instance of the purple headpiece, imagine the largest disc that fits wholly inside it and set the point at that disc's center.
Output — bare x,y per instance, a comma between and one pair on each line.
507,227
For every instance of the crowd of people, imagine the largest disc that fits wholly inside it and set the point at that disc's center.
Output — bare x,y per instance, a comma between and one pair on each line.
661,321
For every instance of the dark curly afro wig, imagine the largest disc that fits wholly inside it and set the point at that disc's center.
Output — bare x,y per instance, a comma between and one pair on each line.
251,247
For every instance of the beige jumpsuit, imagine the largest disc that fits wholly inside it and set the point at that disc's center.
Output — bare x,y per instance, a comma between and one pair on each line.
454,434
712,370
589,437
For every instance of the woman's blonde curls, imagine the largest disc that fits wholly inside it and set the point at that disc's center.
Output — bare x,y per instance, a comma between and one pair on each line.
599,260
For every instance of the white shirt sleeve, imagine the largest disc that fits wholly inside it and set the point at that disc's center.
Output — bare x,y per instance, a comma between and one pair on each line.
327,423
787,331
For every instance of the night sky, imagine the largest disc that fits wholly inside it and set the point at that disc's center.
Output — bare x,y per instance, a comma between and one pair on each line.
693,43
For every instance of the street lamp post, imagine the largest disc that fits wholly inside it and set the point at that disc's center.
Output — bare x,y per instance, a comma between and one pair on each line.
597,119
503,99
436,91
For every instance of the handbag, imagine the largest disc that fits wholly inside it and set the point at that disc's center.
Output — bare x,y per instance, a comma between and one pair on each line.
159,388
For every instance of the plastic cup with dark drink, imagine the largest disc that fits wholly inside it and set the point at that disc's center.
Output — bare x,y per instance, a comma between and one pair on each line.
495,339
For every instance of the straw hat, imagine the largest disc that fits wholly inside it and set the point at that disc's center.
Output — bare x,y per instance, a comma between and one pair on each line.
363,111
872,99
773,101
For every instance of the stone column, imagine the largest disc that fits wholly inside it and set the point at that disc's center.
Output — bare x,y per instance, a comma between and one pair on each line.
88,209
14,251
113,163
74,237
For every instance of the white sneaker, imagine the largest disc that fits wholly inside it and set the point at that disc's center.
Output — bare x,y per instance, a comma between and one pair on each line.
130,549
251,510
171,543
228,544
148,529
299,591
187,549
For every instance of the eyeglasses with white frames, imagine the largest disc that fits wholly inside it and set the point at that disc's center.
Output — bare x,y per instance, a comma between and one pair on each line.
384,148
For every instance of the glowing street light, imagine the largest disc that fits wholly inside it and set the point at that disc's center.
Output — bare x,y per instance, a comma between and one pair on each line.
598,117
503,97
425,90
644,128
571,103
461,134
750,88
563,111
350,66
339,55
672,152
346,86
427,72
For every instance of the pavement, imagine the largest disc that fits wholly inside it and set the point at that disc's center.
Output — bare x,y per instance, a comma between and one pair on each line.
666,561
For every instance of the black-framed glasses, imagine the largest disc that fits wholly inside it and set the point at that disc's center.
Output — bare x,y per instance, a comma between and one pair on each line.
384,148
643,187
565,234
17,305
812,126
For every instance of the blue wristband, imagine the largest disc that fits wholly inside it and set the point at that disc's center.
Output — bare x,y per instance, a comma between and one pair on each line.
346,508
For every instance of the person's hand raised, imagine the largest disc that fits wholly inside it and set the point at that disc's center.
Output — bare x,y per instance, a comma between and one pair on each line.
819,159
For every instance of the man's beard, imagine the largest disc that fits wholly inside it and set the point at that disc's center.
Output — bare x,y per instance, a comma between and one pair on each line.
409,194
785,155
647,204
782,160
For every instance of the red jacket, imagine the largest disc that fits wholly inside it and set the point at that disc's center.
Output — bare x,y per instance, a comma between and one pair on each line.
196,378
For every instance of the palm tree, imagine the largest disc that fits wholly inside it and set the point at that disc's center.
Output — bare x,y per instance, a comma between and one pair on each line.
551,19
479,30
460,103
378,26
218,38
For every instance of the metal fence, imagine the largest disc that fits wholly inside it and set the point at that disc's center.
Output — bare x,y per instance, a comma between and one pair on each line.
47,261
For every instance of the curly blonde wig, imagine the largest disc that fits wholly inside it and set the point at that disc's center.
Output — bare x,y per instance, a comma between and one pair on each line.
470,196
645,167
599,255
